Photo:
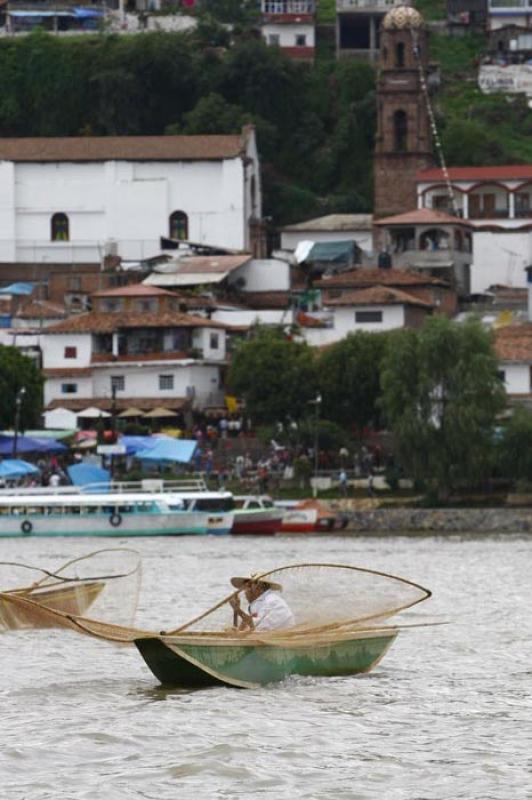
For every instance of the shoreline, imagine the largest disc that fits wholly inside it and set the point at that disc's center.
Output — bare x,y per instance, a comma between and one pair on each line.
408,521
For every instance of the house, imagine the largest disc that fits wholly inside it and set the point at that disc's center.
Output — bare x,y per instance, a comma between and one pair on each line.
467,16
431,241
331,228
497,202
290,25
76,201
137,344
358,27
504,13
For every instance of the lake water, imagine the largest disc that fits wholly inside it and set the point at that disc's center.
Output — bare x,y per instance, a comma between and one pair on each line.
447,713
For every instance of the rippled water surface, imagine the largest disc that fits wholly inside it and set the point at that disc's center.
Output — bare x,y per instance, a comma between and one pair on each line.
447,713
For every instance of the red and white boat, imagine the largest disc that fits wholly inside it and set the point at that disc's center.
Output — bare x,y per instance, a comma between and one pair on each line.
256,515
310,516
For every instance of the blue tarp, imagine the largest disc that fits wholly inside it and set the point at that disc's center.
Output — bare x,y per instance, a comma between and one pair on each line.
25,444
169,450
87,13
18,288
135,443
83,474
15,468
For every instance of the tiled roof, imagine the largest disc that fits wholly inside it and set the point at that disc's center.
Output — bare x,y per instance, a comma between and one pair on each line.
514,343
40,309
123,148
423,216
273,300
505,172
382,277
67,372
95,322
134,290
211,264
377,296
142,403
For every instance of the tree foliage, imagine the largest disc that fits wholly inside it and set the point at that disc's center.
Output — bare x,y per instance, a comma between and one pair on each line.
441,393
275,376
515,446
17,372
315,124
349,377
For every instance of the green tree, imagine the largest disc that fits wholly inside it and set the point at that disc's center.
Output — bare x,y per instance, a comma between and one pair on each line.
349,377
212,114
514,449
274,375
17,372
441,394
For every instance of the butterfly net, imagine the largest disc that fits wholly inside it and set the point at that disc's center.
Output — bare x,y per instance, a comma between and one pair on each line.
322,597
104,584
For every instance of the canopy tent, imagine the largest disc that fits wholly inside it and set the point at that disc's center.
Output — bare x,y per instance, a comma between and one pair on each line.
93,413
135,444
84,474
160,413
131,412
16,468
47,434
26,444
169,451
18,289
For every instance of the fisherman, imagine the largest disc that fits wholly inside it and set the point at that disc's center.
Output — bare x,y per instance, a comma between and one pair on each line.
267,610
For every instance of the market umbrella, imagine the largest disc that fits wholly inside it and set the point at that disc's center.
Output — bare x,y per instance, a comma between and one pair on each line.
27,444
16,468
131,412
160,413
93,413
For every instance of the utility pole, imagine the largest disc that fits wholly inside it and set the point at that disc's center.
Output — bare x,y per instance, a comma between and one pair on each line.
18,402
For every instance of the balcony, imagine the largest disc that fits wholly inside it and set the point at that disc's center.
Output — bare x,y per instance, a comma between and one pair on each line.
364,6
291,7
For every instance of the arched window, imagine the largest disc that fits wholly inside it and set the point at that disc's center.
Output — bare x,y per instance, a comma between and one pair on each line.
178,225
400,131
400,54
60,228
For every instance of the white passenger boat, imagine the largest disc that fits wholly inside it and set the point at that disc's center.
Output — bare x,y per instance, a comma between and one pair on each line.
143,513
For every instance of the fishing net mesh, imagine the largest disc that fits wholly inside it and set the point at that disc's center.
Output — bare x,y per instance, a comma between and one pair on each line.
105,584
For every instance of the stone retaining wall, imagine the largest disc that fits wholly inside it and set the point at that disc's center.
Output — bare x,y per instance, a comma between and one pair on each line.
453,520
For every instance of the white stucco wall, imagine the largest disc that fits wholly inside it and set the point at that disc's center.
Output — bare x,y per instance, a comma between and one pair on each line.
60,419
263,275
124,202
85,389
344,323
241,316
291,239
287,33
516,378
53,350
201,338
500,258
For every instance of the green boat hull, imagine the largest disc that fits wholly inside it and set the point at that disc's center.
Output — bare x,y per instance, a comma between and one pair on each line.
191,664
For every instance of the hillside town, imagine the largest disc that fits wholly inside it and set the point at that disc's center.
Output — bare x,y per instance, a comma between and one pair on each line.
133,267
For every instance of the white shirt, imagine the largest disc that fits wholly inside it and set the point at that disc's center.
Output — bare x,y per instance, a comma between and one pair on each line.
270,611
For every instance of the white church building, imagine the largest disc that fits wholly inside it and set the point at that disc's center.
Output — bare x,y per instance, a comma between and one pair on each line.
74,200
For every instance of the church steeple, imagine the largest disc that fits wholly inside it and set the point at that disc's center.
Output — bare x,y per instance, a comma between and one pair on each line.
403,145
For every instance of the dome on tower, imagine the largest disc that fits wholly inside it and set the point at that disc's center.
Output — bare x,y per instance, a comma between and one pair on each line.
401,18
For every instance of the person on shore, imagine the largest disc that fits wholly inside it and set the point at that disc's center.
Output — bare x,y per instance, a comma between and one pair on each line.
267,610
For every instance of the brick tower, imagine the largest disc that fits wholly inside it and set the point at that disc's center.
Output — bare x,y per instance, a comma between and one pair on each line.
403,144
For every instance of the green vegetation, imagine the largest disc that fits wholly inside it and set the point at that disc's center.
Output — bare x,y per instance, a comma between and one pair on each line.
441,394
17,372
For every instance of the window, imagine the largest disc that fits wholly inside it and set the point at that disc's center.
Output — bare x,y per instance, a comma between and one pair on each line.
400,131
501,374
274,39
301,40
118,383
214,342
69,388
71,352
74,283
166,382
60,228
111,304
368,316
178,225
147,305
400,55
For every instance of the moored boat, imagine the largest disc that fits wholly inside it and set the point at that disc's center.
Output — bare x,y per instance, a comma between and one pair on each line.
256,514
108,514
310,516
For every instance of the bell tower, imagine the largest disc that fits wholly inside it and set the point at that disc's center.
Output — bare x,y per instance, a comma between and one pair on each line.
403,144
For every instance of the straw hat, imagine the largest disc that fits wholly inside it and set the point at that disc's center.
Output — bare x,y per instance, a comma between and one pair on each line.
239,583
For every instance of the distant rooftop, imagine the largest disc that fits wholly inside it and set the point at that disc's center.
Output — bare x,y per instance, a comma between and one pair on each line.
423,216
334,223
503,172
